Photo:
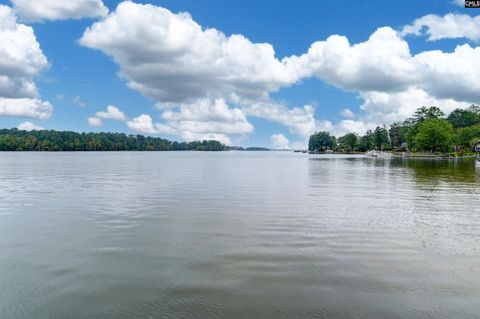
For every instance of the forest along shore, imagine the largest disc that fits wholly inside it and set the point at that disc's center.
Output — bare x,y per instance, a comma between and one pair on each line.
429,133
49,140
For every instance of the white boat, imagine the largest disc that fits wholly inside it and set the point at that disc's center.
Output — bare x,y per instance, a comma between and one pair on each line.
378,154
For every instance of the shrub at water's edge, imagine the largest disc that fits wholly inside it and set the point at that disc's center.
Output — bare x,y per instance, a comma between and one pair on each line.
427,131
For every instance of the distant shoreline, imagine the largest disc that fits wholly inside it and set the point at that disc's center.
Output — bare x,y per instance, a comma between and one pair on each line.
135,151
14,140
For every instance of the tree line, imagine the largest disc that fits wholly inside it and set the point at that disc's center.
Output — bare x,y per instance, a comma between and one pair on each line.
49,140
428,130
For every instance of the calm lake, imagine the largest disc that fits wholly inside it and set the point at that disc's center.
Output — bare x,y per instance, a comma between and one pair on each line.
237,235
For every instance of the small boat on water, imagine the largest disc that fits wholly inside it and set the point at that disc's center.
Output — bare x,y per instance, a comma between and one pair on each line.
378,154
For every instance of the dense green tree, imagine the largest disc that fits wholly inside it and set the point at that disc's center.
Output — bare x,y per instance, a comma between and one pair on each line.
321,141
348,142
426,113
366,142
467,137
380,137
465,117
421,114
434,135
398,134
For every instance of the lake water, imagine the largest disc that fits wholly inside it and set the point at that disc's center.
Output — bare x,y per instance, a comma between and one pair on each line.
237,235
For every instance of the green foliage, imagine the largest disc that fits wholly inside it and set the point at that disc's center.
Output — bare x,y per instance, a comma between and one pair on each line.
348,142
434,135
464,118
426,130
398,135
380,137
321,141
17,140
467,137
426,113
366,142
421,114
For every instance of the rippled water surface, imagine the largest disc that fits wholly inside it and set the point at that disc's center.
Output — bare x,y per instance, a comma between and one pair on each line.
237,235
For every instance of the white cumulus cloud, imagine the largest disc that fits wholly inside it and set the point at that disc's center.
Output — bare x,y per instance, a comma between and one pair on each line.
345,126
347,113
450,26
25,107
29,126
300,120
205,119
384,107
142,124
112,113
279,141
452,75
381,63
94,122
170,57
21,59
39,10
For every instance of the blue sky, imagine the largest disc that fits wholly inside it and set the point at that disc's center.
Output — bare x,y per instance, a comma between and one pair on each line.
233,90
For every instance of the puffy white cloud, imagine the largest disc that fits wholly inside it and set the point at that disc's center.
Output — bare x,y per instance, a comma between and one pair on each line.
39,10
29,126
25,107
94,122
169,57
382,107
142,124
21,59
21,56
450,26
452,75
279,141
383,62
300,120
347,113
205,119
15,87
350,126
345,126
112,113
